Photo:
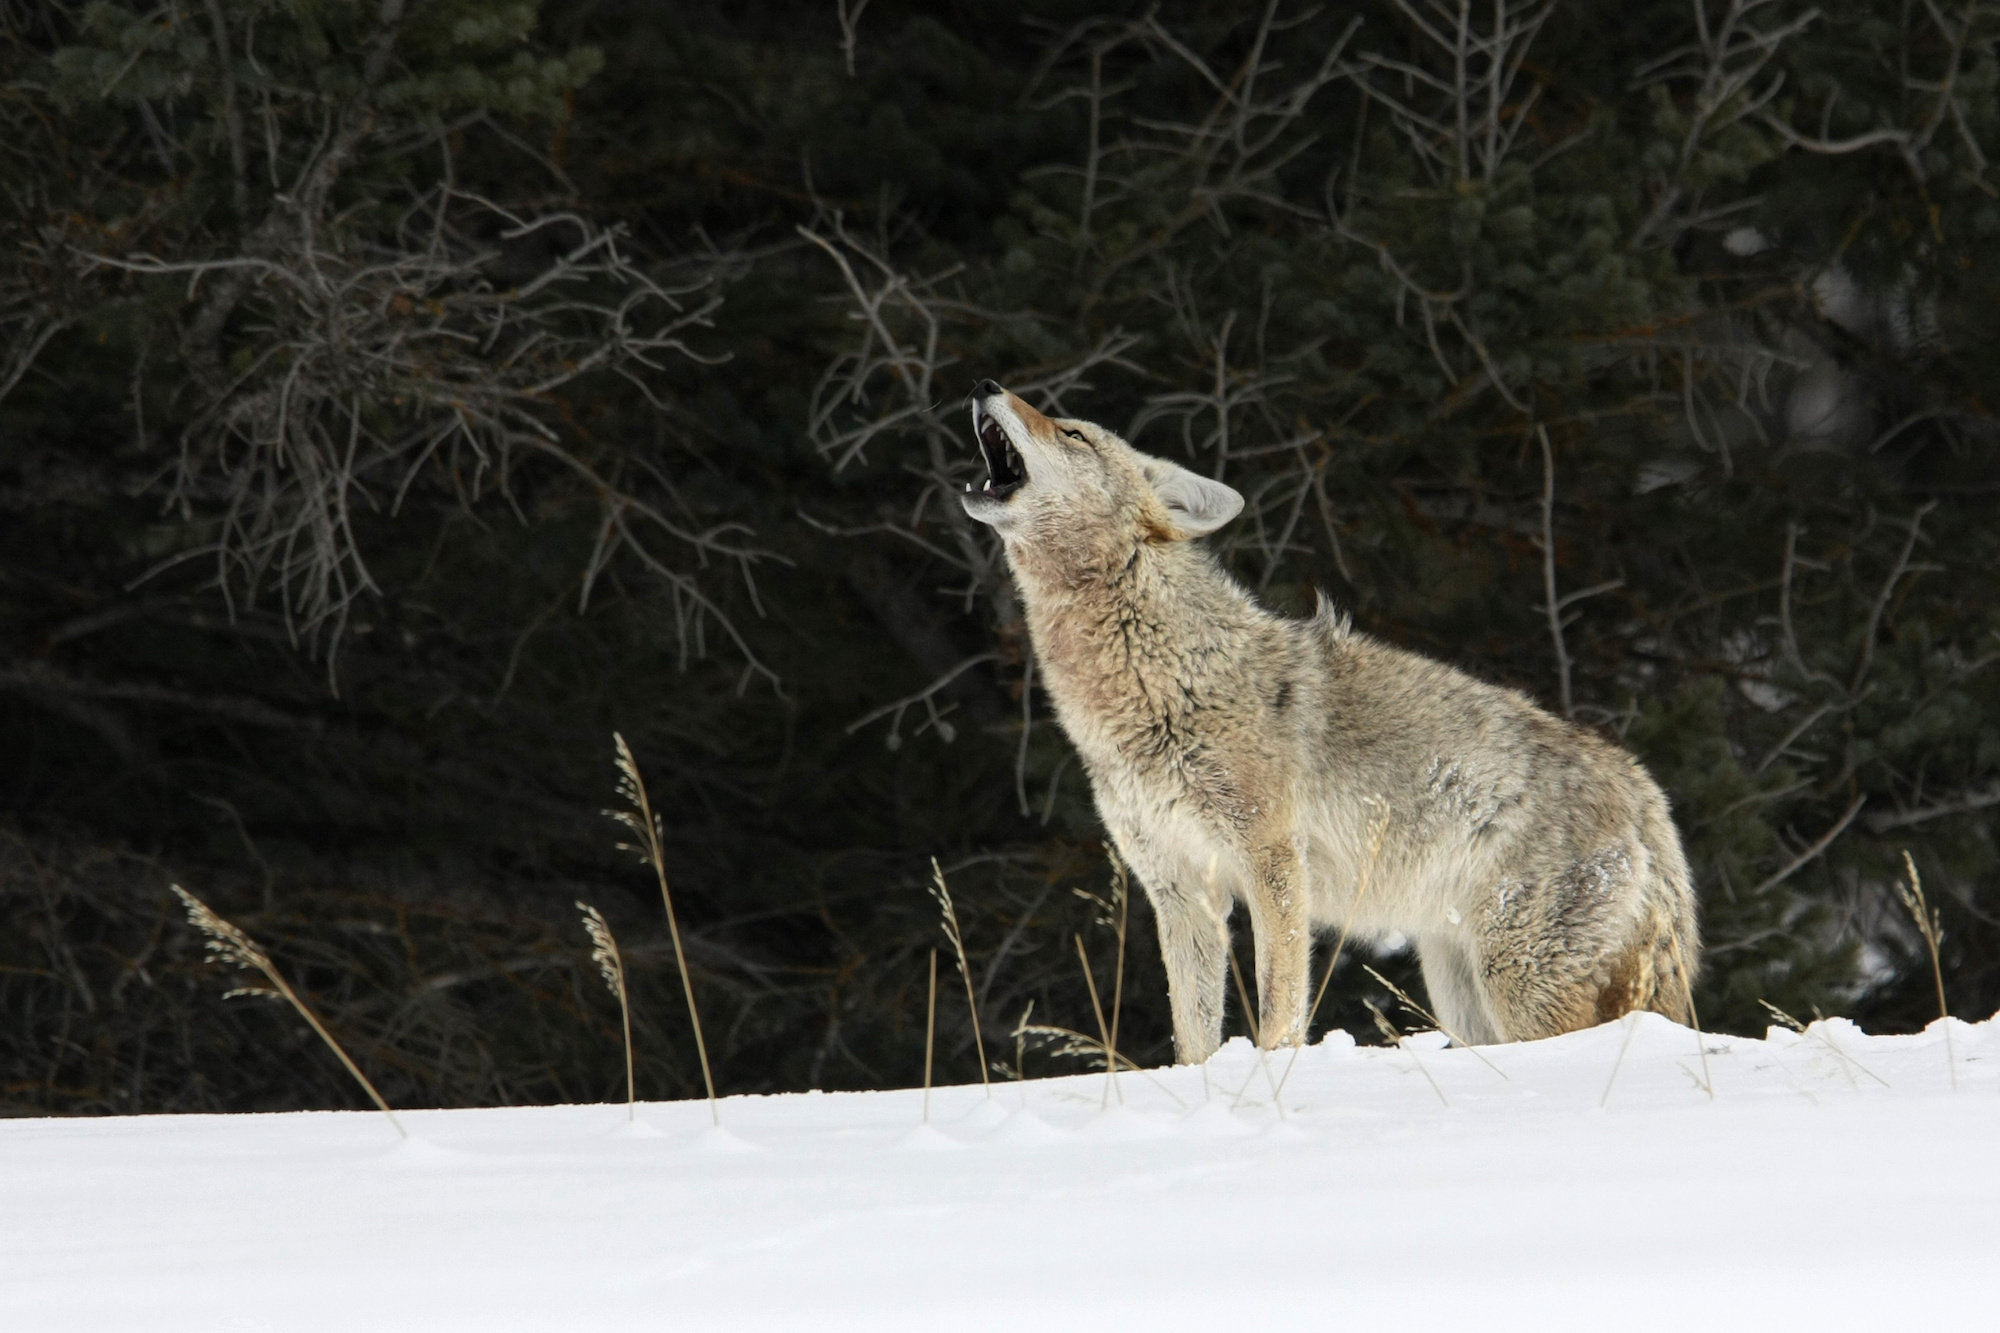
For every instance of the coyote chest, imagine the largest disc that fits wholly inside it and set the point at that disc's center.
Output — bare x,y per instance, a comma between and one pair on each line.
1148,715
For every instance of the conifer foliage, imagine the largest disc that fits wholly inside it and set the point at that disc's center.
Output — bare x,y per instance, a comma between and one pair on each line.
398,396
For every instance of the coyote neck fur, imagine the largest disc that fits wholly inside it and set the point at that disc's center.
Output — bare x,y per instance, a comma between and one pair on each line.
1133,642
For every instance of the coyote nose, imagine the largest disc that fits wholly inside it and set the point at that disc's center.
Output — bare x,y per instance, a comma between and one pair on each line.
987,389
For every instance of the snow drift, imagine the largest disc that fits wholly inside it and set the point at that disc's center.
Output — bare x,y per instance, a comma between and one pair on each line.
1832,1180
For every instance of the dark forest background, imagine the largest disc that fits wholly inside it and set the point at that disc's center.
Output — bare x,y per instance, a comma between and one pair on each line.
398,397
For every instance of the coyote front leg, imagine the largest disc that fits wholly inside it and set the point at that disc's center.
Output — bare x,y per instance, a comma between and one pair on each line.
1194,943
1281,922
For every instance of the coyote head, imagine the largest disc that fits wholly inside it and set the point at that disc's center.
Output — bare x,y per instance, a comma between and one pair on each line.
1056,478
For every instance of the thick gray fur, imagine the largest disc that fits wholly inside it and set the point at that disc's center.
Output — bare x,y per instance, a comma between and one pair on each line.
1238,756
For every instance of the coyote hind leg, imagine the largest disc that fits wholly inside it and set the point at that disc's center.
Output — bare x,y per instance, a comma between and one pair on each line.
1457,993
1571,947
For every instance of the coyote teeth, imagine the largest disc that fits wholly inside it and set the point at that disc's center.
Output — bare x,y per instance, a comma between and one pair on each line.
1006,473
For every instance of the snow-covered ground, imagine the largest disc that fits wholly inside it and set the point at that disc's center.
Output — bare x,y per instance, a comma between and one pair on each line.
1833,1181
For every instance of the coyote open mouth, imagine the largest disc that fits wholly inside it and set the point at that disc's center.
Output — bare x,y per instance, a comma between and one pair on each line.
1005,472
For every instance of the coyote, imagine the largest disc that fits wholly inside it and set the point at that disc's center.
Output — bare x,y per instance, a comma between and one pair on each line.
1238,755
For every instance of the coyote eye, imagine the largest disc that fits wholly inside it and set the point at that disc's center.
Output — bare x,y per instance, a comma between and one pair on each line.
1076,435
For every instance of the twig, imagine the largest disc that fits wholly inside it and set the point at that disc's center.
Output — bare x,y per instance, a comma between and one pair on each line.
1553,605
1825,840
1027,733
642,820
927,697
1865,655
850,18
1965,803
227,944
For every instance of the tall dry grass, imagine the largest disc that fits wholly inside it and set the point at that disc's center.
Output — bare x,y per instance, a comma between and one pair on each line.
644,822
930,1035
1931,927
230,946
942,892
611,966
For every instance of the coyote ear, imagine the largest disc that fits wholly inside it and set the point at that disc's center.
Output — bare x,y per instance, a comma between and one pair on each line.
1198,505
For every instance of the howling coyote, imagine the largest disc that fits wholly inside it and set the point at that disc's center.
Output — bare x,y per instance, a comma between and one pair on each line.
1235,754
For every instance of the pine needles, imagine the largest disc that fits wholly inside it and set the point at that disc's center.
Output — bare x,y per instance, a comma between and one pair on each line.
604,953
642,820
230,946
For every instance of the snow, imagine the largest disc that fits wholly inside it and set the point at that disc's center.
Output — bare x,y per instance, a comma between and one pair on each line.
1833,1181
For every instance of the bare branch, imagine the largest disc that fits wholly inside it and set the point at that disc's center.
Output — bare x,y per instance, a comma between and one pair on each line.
1819,845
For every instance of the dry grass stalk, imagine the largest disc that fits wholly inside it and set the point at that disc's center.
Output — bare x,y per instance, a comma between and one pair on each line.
1021,1044
1243,998
1694,1019
1394,1037
1121,893
1631,1021
1817,1034
1112,914
951,932
1380,832
1249,1010
930,1036
1071,1044
1929,924
228,945
604,953
643,821
1403,997
1220,916
1263,1059
1104,1029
